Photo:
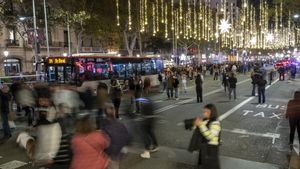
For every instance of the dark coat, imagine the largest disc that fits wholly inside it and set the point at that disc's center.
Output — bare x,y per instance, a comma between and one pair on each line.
119,137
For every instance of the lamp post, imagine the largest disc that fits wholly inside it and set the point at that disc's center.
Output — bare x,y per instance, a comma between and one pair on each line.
35,43
5,53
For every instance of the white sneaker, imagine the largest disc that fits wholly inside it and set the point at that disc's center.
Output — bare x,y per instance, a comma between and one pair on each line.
146,154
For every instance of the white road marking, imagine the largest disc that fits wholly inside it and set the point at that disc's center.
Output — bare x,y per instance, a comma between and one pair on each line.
229,112
245,132
192,99
12,164
296,147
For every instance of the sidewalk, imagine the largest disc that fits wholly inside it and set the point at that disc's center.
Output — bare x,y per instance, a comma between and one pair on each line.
173,158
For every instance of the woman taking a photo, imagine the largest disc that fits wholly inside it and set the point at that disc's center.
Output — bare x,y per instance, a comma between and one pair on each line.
209,135
88,146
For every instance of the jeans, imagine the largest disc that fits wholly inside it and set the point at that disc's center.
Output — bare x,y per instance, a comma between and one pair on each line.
176,92
261,95
170,92
234,93
5,124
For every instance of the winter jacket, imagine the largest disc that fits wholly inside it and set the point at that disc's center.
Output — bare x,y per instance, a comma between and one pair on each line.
88,151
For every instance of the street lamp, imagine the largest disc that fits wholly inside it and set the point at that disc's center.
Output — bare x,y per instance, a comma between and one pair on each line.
296,16
5,53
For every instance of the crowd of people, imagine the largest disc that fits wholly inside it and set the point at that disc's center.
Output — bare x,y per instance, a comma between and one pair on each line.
98,138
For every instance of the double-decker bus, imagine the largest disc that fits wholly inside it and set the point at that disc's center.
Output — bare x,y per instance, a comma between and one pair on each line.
97,66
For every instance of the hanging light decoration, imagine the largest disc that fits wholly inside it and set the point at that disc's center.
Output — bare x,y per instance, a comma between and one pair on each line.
118,13
224,26
129,15
153,19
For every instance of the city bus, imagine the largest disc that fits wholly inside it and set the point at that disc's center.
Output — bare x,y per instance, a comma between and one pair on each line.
84,67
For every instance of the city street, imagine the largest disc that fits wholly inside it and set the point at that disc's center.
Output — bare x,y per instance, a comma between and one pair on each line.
254,136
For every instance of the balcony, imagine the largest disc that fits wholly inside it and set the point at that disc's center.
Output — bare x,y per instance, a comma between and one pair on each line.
60,44
11,43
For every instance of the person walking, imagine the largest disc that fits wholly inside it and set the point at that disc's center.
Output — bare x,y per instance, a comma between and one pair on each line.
115,95
183,79
88,146
199,82
176,86
138,85
5,97
151,144
293,115
225,80
261,85
216,72
281,72
102,97
118,135
208,130
232,80
253,82
170,86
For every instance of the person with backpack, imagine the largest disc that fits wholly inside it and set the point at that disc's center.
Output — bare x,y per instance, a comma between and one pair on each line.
199,82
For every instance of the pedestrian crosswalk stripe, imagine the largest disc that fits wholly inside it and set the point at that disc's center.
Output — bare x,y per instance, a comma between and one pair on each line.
12,164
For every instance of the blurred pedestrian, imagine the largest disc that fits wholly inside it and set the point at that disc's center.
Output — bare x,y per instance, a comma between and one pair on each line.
63,157
232,85
225,80
118,135
199,90
293,115
147,85
115,95
183,79
170,86
102,97
281,72
209,136
176,86
261,85
88,146
151,144
5,97
138,86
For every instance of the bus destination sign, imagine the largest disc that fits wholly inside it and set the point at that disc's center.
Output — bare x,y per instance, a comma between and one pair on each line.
57,60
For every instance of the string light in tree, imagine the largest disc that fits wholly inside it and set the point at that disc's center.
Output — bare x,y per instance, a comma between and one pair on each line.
162,11
166,21
118,13
146,12
129,15
153,19
157,16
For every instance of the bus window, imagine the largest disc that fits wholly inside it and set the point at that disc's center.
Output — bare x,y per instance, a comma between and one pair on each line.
69,75
51,74
119,70
60,74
